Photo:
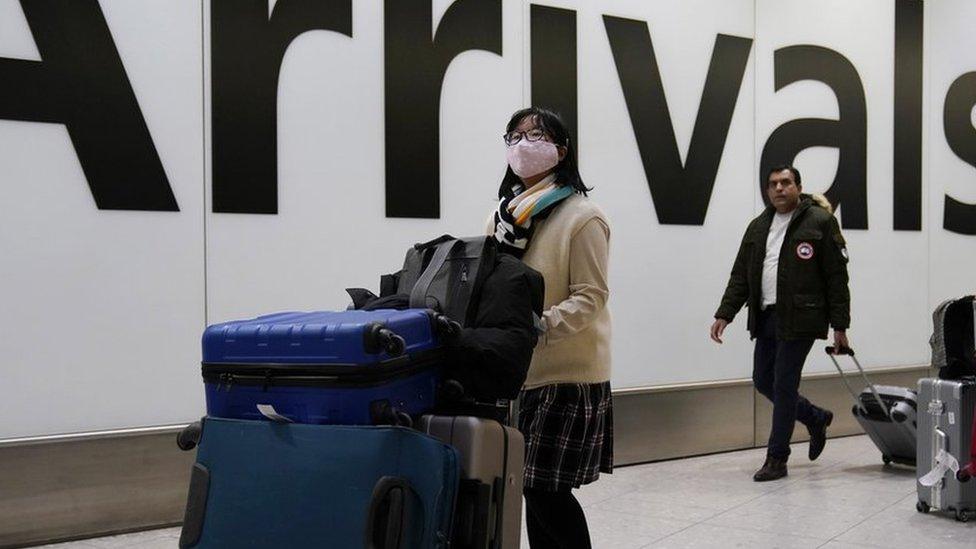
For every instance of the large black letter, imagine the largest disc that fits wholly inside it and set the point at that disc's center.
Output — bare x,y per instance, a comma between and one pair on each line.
82,84
680,193
246,52
415,67
961,137
908,115
554,64
849,133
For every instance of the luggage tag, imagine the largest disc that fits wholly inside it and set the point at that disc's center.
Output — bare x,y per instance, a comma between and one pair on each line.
268,411
944,461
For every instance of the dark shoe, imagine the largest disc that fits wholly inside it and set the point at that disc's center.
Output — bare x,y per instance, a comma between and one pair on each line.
771,470
818,435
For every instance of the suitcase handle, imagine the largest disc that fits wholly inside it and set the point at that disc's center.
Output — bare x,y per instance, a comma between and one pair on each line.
388,515
839,351
196,506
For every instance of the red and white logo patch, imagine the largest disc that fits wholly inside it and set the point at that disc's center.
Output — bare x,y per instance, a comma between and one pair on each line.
804,250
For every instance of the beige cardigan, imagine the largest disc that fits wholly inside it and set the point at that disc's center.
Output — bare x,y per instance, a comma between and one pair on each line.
571,248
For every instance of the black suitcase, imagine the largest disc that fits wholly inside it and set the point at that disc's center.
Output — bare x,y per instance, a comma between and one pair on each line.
887,414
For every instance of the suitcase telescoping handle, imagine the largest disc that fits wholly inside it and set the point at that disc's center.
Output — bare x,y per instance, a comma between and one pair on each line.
832,352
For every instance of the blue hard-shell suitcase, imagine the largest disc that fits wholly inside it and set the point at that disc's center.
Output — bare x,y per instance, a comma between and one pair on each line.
343,367
261,484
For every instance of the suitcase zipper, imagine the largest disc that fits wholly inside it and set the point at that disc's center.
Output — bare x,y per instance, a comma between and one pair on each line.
310,374
225,379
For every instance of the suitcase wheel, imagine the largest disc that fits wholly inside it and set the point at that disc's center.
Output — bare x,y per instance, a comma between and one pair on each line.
962,516
376,338
886,460
964,474
188,438
922,507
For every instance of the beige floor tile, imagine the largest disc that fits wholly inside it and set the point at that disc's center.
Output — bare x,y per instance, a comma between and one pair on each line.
844,545
150,539
610,528
707,536
859,500
776,518
900,526
638,507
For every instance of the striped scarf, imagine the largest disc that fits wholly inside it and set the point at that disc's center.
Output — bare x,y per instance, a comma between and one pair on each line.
513,218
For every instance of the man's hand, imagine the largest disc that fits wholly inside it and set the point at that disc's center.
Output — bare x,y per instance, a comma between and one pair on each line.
718,327
840,340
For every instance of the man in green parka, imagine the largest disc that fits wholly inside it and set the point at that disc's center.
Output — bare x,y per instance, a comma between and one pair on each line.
791,271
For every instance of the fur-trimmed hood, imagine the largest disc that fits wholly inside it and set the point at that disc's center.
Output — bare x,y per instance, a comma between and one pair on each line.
821,200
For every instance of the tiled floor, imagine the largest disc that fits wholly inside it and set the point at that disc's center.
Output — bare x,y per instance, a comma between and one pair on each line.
846,499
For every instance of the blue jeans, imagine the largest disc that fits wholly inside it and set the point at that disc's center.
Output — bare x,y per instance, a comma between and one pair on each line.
777,365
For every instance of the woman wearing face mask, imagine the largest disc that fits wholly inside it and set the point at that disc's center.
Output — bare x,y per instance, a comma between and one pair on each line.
545,218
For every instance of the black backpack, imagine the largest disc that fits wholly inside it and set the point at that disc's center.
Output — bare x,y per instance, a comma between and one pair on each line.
445,274
953,340
495,298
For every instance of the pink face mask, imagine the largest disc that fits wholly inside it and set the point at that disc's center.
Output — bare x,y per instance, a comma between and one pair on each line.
528,158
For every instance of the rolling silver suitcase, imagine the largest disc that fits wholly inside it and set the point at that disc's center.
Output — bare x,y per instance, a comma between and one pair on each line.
944,441
488,514
887,414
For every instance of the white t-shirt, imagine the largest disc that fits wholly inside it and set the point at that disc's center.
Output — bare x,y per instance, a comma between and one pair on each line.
774,243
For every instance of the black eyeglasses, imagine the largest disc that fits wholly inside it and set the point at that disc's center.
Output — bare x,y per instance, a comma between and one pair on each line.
513,137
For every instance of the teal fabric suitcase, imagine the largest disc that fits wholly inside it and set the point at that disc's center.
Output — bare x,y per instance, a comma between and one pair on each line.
263,484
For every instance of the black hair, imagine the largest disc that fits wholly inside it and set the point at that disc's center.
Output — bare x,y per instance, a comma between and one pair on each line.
567,171
781,167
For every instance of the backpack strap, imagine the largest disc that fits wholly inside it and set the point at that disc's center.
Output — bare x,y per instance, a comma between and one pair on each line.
418,295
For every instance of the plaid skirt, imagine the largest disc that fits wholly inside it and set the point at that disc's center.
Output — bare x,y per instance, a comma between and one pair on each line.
568,431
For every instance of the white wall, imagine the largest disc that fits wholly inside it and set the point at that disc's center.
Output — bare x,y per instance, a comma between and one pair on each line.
104,309
889,319
952,53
